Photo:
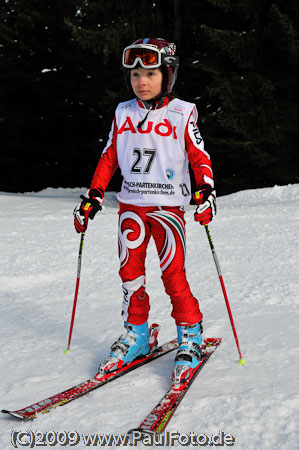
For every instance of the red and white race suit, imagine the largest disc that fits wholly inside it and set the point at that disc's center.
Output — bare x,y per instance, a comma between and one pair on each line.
154,162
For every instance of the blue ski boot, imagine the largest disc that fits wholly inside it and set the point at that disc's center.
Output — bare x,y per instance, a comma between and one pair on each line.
189,353
137,341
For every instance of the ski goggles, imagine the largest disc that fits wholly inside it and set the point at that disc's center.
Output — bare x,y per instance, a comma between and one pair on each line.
147,56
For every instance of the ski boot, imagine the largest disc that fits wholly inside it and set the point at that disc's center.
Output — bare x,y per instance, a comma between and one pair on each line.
137,341
189,353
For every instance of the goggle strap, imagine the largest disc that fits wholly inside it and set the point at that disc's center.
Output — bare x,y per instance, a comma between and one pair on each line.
170,60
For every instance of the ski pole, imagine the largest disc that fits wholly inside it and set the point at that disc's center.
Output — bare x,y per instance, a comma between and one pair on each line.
241,360
76,291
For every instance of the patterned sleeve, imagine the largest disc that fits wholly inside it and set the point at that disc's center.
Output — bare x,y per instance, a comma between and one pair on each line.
198,157
108,162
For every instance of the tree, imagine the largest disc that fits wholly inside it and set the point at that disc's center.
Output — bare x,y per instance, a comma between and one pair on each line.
245,58
61,79
48,116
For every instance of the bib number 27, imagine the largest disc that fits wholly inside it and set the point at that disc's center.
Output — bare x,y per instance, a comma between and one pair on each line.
143,160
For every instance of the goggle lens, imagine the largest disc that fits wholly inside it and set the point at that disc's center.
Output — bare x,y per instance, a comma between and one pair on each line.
147,56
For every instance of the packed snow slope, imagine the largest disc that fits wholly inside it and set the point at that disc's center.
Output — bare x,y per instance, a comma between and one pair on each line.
256,237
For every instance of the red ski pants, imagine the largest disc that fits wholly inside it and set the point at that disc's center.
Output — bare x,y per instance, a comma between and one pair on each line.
167,227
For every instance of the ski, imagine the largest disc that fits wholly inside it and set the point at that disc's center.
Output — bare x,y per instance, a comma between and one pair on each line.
46,405
157,420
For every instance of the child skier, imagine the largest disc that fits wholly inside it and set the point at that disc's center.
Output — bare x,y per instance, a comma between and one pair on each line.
153,139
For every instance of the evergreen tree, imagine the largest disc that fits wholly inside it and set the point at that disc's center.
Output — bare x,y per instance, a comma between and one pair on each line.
244,57
61,79
49,120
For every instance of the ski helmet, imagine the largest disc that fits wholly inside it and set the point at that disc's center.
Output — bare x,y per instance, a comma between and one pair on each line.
151,53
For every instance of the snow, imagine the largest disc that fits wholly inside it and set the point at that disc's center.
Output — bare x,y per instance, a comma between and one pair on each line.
255,235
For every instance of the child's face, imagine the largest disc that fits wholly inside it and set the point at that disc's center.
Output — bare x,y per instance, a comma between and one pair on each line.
146,83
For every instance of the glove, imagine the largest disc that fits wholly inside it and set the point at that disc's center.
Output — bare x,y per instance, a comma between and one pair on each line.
205,199
87,209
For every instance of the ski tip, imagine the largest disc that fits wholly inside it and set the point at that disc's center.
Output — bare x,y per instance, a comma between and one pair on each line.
5,411
16,415
241,361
